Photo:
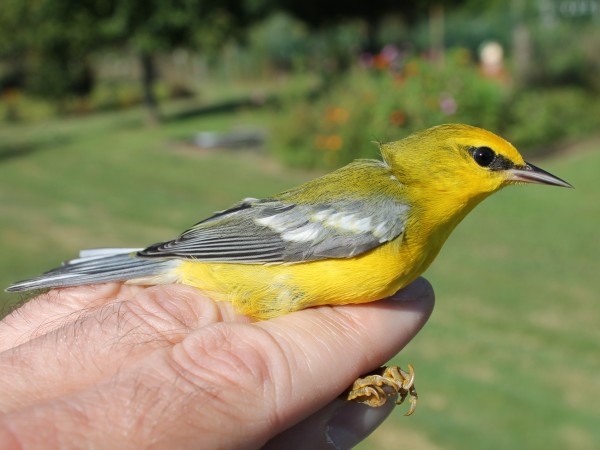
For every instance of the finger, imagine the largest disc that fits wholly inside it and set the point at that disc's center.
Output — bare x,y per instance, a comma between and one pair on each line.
353,339
59,307
280,371
93,344
230,385
340,425
56,308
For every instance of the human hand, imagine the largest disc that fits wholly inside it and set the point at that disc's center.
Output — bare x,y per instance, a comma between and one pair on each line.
129,367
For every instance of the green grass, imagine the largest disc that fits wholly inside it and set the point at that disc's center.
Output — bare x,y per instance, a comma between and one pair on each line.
511,355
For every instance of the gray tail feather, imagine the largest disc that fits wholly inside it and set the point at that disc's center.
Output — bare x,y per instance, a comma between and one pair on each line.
97,266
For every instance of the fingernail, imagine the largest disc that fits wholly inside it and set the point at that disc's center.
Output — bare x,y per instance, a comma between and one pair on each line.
415,291
352,422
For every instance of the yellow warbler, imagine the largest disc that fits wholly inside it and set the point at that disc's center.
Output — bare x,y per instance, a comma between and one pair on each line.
355,235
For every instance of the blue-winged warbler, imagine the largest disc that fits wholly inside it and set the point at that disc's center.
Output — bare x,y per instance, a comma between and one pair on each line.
355,235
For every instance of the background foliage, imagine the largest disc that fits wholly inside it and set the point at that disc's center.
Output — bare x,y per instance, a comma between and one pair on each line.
378,66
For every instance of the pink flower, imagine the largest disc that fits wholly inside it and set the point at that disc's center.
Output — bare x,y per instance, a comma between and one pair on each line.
448,105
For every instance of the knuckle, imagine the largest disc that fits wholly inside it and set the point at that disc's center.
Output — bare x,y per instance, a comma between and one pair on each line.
168,313
235,364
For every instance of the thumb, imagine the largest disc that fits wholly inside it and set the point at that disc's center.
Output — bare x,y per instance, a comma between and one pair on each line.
338,426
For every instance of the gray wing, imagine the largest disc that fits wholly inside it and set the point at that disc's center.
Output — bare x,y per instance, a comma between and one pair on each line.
272,231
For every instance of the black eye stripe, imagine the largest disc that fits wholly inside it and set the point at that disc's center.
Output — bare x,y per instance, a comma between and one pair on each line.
497,162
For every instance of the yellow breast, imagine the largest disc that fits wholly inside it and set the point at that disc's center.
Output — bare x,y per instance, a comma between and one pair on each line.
265,291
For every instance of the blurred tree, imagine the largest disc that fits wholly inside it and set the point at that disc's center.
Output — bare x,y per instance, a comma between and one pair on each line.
48,42
148,27
325,12
53,39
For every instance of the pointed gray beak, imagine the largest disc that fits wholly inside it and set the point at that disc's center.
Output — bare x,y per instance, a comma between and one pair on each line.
532,174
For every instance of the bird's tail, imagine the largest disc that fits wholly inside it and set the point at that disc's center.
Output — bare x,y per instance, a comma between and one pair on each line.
100,266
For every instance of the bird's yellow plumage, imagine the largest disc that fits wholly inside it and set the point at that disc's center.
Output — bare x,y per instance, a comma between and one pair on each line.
265,291
355,235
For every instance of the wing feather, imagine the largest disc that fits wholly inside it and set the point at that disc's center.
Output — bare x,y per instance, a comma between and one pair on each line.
273,231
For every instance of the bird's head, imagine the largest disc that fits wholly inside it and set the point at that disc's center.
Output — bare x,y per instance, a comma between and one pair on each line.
466,162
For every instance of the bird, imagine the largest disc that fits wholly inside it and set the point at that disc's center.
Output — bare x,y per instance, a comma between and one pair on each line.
355,235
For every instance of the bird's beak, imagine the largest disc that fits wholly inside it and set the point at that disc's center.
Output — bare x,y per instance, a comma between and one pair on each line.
532,174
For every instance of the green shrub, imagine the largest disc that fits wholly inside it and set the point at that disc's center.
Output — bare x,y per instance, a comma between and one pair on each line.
17,106
381,104
540,119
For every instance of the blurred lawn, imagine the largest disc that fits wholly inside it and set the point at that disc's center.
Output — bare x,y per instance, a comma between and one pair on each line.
510,358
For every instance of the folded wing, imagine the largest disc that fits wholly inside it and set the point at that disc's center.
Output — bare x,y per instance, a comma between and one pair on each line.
274,231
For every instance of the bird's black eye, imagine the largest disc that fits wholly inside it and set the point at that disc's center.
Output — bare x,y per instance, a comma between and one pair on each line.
484,156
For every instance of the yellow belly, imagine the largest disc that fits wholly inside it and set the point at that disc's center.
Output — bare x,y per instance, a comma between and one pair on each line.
265,291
